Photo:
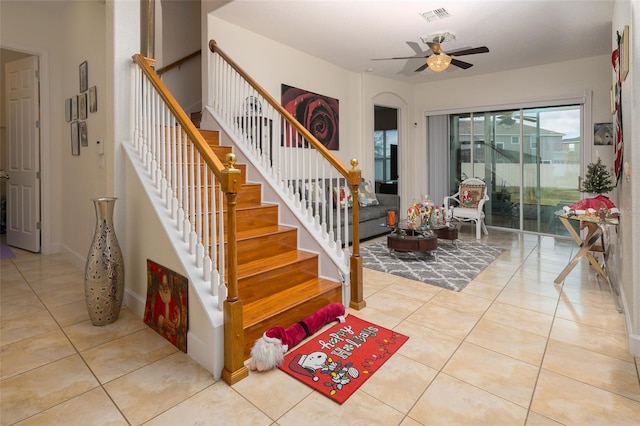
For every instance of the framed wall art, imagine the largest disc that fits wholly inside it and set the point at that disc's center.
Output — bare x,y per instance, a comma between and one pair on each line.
82,106
603,133
84,77
67,110
82,129
75,139
318,114
624,54
93,99
74,107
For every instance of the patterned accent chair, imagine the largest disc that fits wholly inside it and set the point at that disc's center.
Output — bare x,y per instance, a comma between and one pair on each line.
468,203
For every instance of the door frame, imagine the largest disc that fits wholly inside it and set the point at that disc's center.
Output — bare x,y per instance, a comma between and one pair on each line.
46,245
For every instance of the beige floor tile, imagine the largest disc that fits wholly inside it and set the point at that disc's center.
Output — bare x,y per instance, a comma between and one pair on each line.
547,289
449,401
85,335
583,296
35,261
376,316
462,302
399,382
427,346
520,318
25,326
37,274
70,313
13,290
521,345
540,276
393,304
590,367
37,390
28,354
535,419
153,389
569,401
530,301
273,392
607,342
218,404
57,282
318,410
62,296
482,289
452,322
126,354
591,314
499,374
91,408
416,290
20,306
495,276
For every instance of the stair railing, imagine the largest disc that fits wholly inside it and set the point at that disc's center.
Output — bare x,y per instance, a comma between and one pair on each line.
186,173
294,160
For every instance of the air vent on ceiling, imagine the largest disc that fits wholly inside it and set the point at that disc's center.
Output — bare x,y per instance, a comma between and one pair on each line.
435,15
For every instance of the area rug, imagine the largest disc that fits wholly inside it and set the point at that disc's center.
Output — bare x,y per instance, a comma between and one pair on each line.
5,251
454,268
338,361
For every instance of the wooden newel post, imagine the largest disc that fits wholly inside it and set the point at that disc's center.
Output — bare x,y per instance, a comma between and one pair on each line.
355,262
234,369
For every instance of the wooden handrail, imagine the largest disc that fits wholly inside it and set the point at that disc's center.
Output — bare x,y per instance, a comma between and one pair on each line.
229,178
179,62
353,175
213,46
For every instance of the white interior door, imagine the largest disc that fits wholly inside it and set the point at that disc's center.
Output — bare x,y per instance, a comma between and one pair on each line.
23,162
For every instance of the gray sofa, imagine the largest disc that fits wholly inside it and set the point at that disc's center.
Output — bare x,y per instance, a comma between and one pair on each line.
372,218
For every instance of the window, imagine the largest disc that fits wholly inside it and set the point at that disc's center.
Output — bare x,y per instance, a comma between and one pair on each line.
515,140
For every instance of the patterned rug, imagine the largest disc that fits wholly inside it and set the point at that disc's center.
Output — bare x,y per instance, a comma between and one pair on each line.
454,268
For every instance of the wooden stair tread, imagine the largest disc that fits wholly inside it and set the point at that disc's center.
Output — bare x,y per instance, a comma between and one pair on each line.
273,262
260,232
279,302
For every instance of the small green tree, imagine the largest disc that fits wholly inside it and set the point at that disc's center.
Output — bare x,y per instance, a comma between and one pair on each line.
598,179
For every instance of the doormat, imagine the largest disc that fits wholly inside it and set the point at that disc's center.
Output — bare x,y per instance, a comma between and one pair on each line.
337,362
453,268
5,251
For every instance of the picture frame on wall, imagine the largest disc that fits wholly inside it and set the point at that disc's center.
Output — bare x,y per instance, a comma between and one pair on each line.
84,77
603,133
74,107
82,106
75,139
93,99
624,54
67,110
82,129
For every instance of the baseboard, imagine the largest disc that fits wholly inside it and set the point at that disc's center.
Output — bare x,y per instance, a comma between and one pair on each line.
633,338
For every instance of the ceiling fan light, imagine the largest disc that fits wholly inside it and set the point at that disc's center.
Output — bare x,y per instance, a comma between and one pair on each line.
439,62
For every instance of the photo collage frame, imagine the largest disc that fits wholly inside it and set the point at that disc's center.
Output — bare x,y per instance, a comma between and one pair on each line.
77,109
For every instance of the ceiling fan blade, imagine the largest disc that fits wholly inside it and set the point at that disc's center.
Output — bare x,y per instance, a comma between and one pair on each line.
399,57
460,64
422,67
435,47
472,51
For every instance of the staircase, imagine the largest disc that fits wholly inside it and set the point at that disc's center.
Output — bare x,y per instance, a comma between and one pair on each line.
277,283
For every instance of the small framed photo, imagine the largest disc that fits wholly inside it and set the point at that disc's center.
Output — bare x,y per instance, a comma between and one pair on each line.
82,106
93,99
603,133
82,129
74,107
84,77
75,139
67,110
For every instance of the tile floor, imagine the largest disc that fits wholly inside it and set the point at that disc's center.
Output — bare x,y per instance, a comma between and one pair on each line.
511,349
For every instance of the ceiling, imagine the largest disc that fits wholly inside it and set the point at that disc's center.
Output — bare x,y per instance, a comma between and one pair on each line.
350,33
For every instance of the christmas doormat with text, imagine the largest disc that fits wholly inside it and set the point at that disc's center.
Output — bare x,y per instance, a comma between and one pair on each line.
338,361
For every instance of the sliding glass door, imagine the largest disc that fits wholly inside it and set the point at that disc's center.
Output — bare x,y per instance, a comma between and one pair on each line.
529,159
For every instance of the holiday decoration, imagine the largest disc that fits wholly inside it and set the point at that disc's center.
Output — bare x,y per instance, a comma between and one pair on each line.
268,351
618,143
598,179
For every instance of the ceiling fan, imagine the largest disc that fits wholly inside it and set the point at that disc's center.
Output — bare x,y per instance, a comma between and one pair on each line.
508,118
437,60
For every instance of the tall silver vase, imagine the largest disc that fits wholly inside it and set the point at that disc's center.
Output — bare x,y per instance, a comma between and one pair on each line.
104,272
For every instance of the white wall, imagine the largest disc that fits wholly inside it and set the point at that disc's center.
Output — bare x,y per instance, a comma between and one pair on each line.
64,34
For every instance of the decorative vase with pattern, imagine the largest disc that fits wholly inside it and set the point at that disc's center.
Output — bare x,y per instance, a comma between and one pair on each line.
104,272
